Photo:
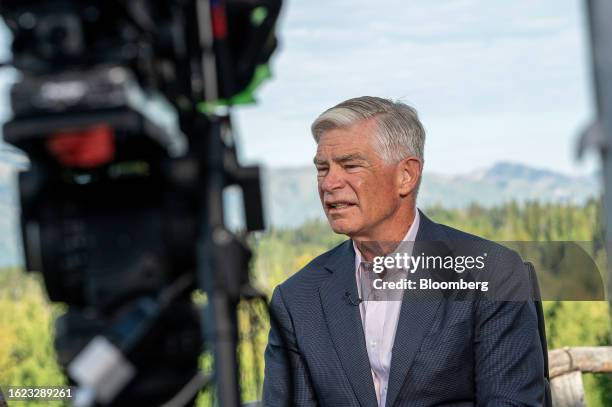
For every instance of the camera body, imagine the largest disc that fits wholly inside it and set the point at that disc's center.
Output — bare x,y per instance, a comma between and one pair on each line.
113,203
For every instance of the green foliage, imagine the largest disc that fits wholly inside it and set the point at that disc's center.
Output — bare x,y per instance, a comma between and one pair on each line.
581,323
26,329
26,318
280,252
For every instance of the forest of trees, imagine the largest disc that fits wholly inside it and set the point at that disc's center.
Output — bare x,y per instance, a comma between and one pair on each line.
26,317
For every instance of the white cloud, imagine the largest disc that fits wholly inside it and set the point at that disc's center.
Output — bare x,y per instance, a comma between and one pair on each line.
471,60
451,59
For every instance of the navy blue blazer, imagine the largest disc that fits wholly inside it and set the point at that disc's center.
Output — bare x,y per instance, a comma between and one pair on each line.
446,353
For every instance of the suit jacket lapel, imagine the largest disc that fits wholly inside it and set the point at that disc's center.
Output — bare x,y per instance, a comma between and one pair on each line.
414,321
344,323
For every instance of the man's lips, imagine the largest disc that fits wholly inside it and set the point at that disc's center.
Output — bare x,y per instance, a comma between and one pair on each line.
338,205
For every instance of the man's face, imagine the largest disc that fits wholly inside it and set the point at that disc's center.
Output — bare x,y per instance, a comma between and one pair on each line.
358,190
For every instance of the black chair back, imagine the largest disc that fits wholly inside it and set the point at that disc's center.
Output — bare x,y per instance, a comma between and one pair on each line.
537,299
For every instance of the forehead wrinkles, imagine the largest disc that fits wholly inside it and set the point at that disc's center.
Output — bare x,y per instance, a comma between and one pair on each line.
359,140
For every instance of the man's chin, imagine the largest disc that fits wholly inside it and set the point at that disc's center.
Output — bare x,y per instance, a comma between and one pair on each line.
342,228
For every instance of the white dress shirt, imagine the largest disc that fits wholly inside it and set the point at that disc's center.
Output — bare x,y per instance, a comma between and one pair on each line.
379,320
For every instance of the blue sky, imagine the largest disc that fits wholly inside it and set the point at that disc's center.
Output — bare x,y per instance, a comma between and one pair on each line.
492,80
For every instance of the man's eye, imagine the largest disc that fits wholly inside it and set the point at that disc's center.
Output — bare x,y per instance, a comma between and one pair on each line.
351,166
321,171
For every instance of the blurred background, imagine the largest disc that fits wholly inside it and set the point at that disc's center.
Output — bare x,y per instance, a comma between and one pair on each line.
503,90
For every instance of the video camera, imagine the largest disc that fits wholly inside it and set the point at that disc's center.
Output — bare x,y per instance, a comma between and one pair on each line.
118,109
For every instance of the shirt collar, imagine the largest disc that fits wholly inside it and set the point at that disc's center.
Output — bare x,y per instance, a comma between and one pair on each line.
409,237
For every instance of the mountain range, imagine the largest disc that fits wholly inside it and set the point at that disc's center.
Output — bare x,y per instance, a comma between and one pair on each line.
290,195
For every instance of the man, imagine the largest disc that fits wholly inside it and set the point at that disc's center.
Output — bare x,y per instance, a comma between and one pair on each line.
327,347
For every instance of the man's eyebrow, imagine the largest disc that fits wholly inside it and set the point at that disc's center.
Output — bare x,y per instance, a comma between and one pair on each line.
341,159
316,160
350,157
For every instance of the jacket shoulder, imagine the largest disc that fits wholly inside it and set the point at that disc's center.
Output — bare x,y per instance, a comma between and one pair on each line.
465,240
314,272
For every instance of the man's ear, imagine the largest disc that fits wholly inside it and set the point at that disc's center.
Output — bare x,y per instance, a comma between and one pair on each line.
409,173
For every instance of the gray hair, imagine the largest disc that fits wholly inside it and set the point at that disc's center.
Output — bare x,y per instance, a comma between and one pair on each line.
400,133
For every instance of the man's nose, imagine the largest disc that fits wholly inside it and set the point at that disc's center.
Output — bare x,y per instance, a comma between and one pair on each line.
333,180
